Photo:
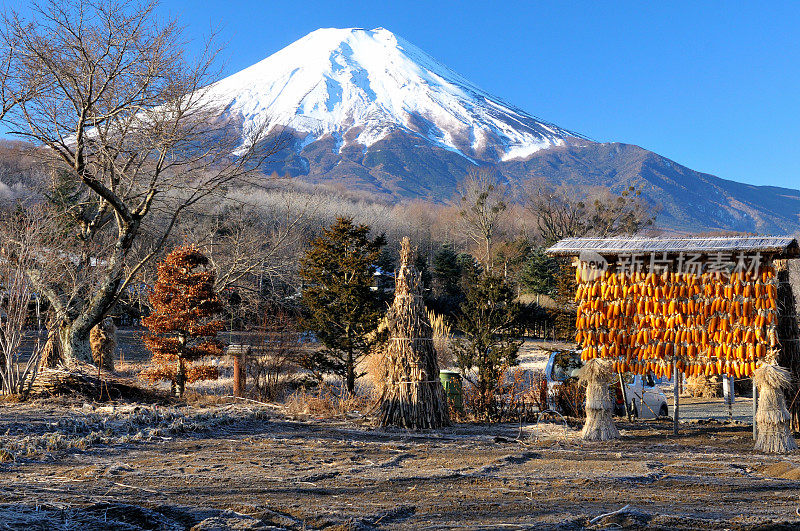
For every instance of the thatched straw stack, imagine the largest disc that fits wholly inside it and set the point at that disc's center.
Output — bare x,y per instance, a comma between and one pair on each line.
597,374
414,396
103,341
772,417
703,386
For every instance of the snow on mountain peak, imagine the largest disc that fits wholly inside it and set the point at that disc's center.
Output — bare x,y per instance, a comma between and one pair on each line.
333,80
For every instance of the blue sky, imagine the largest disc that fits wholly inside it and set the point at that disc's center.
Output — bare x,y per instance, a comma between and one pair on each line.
713,85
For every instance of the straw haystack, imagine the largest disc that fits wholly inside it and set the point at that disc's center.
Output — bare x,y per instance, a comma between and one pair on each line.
703,386
414,397
597,374
772,418
103,341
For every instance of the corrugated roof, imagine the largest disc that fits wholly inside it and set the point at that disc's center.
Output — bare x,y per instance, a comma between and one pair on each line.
782,245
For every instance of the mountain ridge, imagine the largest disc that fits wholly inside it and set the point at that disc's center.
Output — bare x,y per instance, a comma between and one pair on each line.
369,110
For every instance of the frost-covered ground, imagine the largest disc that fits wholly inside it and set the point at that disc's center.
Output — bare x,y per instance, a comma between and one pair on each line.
244,466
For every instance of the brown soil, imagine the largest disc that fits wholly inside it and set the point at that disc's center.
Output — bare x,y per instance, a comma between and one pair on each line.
263,470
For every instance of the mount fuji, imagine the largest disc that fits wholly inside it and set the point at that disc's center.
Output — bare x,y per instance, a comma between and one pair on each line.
368,110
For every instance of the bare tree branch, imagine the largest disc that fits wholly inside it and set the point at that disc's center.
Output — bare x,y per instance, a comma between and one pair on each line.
118,110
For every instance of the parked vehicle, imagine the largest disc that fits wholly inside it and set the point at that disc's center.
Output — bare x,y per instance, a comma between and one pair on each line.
562,365
645,398
562,369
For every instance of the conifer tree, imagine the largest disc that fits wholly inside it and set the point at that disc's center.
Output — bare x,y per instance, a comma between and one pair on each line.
343,309
538,273
566,309
184,324
489,321
447,270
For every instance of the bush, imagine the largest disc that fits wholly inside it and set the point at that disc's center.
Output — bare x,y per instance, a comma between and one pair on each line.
274,354
570,398
519,399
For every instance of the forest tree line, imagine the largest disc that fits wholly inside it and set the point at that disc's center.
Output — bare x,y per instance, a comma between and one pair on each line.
256,236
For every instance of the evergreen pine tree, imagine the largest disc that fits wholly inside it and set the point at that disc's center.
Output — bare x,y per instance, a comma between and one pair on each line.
538,273
564,293
342,307
421,265
447,271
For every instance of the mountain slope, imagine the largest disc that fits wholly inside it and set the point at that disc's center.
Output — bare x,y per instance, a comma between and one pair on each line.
368,110
687,200
334,80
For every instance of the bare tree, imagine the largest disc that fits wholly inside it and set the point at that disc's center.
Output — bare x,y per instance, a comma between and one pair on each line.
20,231
564,211
120,117
273,354
254,249
482,199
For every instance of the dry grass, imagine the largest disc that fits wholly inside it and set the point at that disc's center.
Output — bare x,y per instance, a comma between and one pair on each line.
128,369
703,387
327,402
441,339
376,363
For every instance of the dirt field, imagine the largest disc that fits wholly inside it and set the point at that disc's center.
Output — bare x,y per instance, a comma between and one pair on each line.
236,466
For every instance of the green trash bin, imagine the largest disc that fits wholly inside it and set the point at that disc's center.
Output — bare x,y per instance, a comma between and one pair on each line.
451,381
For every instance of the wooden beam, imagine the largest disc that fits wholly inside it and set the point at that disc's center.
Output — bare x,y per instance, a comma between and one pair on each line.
676,396
755,410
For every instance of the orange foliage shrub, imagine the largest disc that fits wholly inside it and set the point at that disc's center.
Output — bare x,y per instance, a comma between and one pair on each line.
184,324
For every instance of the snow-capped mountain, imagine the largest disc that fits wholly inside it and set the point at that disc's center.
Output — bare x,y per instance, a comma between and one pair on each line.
334,80
369,111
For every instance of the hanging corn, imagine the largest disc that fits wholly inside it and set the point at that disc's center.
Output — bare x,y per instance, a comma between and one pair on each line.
712,323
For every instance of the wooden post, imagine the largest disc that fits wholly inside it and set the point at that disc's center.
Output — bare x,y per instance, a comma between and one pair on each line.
730,396
624,389
676,397
239,375
755,410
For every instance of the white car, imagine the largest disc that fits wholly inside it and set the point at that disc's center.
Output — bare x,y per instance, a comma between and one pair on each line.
645,398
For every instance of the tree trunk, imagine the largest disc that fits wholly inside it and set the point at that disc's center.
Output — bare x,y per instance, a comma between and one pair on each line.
351,373
75,328
75,343
179,385
70,343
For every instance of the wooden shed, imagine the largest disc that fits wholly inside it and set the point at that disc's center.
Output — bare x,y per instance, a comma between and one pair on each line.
702,306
